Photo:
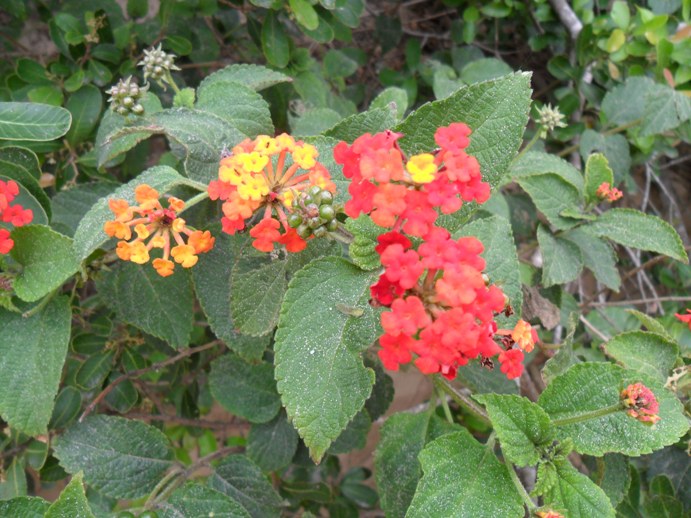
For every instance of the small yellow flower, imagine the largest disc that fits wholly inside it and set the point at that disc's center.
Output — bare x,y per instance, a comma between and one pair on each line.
142,231
266,145
253,162
164,267
138,253
305,155
422,168
184,255
253,188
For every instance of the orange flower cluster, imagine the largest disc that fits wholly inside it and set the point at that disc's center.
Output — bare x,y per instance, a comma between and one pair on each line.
159,226
606,191
267,173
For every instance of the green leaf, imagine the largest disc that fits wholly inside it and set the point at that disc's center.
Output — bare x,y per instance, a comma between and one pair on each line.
238,104
383,391
179,45
120,457
565,356
69,207
256,77
663,506
131,290
483,70
46,95
67,406
523,428
613,476
348,12
339,64
354,437
675,463
480,485
94,370
394,98
89,234
633,228
321,378
109,149
314,122
562,260
648,353
275,41
552,195
246,390
195,135
650,323
34,122
371,121
620,14
577,494
19,158
195,499
32,353
272,445
14,481
304,13
72,501
85,105
587,387
481,380
242,480
614,147
597,172
123,397
212,277
597,255
137,8
617,106
47,259
501,260
24,507
665,109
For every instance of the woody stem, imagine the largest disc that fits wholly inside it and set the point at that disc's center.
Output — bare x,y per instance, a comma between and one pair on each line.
587,416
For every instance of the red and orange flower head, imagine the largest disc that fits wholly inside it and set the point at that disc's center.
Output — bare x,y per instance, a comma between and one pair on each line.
685,318
609,193
267,174
13,214
641,403
155,226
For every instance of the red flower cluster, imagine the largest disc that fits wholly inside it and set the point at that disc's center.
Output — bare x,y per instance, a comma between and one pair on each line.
641,403
442,306
13,214
606,191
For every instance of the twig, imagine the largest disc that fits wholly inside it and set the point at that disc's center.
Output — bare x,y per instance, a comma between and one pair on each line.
635,302
567,17
594,329
199,423
142,371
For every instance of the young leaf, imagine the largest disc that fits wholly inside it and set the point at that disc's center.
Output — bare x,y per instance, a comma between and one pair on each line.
597,172
246,390
47,259
72,501
32,121
633,228
195,499
132,290
32,354
648,353
522,427
577,494
587,387
321,377
242,480
480,485
562,261
362,249
120,457
272,445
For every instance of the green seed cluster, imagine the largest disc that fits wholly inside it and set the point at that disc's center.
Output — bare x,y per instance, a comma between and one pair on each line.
157,64
314,213
125,97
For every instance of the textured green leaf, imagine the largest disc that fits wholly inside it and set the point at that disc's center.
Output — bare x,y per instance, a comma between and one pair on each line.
552,195
321,378
67,406
382,392
665,109
238,104
272,445
246,390
132,290
275,41
70,206
24,507
675,463
614,147
587,387
120,457
577,494
481,380
112,122
613,476
72,502
392,97
354,437
597,172
256,77
501,259
372,121
242,480
89,235
536,163
597,255
85,105
194,499
523,428
32,353
123,397
633,228
484,69
32,121
617,106
650,323
565,356
314,122
47,259
197,136
562,260
648,353
362,249
325,147
480,485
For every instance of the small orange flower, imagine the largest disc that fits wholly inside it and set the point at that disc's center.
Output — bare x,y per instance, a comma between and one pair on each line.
641,403
524,335
548,514
160,226
606,191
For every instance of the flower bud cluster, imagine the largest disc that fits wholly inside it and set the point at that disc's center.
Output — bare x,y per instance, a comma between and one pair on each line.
13,214
641,403
157,64
314,213
607,192
125,97
442,307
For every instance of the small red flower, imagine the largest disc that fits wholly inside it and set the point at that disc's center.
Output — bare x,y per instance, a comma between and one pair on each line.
265,234
14,214
511,363
685,318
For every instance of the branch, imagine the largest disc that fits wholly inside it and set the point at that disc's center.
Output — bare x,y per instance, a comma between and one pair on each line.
567,17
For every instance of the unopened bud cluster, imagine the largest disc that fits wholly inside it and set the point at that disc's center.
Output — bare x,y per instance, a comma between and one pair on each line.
314,213
157,64
125,97
549,118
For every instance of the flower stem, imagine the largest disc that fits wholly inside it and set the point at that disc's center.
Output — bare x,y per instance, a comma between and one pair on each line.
172,83
529,145
194,200
444,404
342,235
38,307
587,416
519,487
461,398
